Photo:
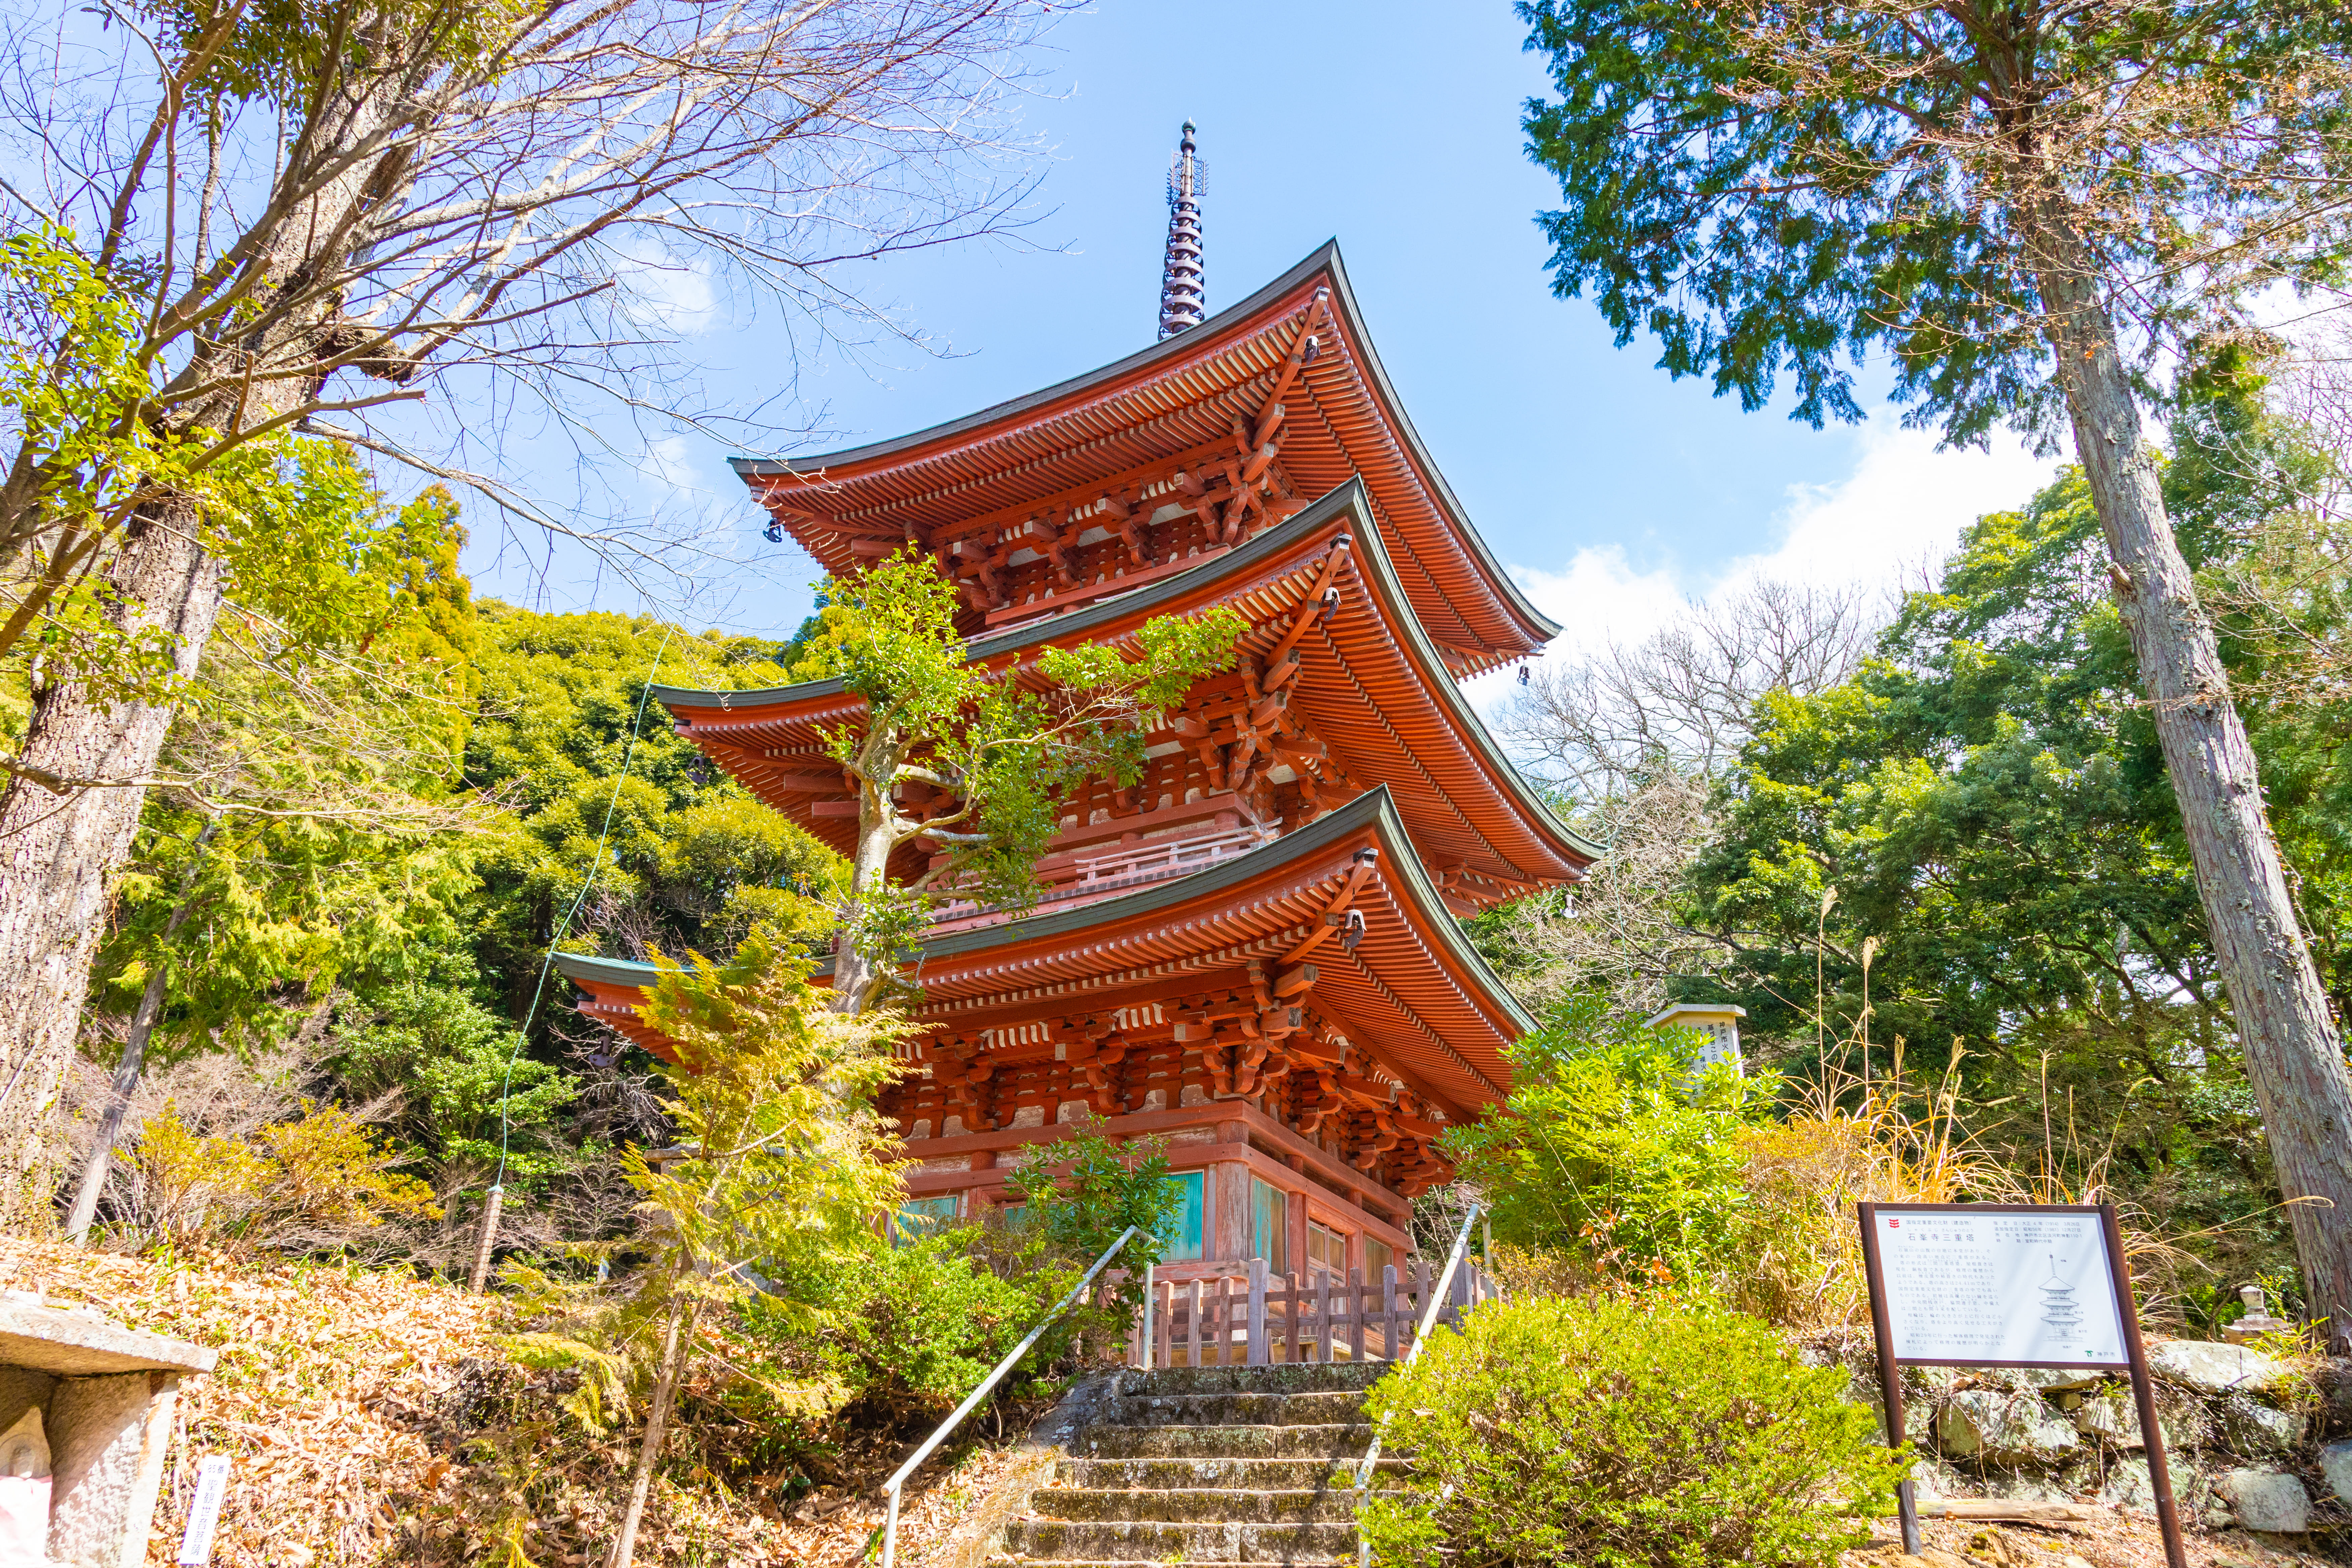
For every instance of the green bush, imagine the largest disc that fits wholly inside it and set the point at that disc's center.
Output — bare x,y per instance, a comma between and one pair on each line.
1616,1435
1617,1147
910,1330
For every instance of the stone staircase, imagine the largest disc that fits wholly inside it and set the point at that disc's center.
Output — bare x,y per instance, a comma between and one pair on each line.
1207,1465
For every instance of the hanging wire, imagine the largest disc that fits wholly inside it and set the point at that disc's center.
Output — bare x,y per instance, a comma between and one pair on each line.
563,927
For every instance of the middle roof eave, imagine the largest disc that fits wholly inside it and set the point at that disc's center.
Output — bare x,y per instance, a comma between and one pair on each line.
1345,506
1180,903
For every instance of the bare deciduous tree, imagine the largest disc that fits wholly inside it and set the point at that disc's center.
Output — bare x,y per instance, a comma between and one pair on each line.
235,221
1635,735
1684,697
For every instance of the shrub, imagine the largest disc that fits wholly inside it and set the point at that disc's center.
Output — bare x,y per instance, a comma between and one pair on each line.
1615,1145
318,1177
910,1330
1613,1433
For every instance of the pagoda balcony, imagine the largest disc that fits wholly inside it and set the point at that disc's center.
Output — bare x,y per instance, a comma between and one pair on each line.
1083,876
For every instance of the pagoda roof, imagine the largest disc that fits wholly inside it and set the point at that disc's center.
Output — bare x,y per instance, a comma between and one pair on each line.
1169,402
1373,688
1413,993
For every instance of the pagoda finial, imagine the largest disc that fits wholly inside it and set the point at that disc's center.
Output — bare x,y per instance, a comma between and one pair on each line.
1180,277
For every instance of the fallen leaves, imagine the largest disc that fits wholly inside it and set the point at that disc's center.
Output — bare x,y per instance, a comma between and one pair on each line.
351,1405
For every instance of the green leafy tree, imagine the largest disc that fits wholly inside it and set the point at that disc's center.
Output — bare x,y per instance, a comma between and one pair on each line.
1615,1146
305,837
1973,847
2022,208
783,1177
469,1095
1083,1191
990,754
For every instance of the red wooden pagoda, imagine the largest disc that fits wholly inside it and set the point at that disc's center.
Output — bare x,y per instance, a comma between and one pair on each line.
1254,953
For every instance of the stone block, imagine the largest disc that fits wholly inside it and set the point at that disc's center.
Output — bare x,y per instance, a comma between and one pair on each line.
2253,1430
2042,1379
2335,1465
2214,1369
1918,1408
2025,1486
2128,1486
2268,1500
1935,1478
2113,1419
110,1434
2003,1429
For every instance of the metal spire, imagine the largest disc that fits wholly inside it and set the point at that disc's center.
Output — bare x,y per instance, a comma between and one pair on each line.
1180,277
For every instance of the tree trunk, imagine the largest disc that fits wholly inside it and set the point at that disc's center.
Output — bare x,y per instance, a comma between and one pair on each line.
641,1479
134,1053
2294,1056
57,851
861,962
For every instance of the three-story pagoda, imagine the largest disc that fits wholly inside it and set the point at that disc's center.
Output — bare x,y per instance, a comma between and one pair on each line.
1251,955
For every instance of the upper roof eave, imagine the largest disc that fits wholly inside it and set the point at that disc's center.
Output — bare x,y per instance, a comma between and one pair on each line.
1348,498
1373,808
1326,260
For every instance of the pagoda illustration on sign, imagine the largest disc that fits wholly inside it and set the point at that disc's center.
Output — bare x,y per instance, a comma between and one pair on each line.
1254,954
2059,1312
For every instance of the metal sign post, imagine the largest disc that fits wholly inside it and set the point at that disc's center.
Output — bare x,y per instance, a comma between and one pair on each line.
2007,1285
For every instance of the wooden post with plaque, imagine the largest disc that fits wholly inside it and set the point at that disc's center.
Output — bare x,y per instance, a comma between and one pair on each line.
2007,1285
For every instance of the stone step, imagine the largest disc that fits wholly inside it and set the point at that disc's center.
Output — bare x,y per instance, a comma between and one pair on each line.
1335,1441
1312,1409
1218,1475
1334,1505
1303,1378
1064,1540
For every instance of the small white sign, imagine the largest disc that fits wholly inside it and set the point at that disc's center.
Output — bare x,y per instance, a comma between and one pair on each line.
204,1513
2016,1287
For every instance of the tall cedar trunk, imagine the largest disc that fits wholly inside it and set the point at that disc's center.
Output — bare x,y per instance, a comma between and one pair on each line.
57,851
2294,1059
57,854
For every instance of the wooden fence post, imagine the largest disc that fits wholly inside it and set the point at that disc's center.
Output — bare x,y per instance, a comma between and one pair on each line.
1164,1330
1192,1322
1388,1313
1257,1312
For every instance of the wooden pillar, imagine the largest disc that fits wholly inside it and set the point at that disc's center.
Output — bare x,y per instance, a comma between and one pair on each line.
1297,1228
1230,1210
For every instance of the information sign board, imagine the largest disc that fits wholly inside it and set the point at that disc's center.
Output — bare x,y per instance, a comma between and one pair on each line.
1996,1285
1990,1287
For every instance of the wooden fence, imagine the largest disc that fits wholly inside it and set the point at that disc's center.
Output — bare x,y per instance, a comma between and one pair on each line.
1246,1320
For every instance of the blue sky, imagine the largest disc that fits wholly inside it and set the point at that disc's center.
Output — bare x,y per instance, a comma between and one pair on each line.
1610,489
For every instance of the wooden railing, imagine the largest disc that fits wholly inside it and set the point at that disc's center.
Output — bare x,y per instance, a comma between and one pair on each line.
1246,1319
1167,857
1149,860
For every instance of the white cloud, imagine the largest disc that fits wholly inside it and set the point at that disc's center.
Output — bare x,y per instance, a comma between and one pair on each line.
666,293
668,462
1902,508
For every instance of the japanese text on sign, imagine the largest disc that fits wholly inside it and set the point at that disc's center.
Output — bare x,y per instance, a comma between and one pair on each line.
2018,1287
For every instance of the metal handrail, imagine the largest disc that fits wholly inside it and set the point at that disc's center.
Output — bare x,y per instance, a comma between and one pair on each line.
1428,1320
971,1401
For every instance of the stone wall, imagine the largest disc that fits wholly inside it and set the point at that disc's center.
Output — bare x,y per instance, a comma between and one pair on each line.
2253,1442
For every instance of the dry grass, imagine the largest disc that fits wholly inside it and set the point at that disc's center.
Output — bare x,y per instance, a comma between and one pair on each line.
369,1420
